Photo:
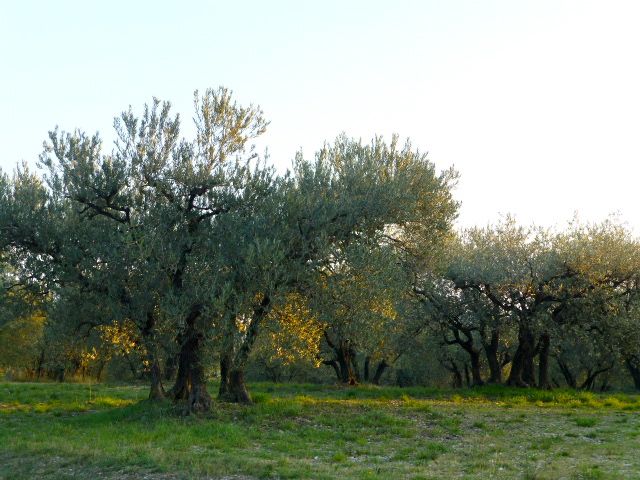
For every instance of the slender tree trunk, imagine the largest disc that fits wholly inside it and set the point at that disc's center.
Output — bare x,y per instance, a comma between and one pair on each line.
589,382
543,361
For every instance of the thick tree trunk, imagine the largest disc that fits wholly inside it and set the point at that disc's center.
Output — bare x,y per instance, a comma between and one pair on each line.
156,391
543,361
491,352
232,385
191,386
238,388
344,356
382,366
522,371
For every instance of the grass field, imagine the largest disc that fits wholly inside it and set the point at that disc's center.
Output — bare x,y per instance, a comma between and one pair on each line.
309,431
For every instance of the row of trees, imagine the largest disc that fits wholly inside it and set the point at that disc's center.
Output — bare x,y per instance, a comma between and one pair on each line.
193,257
195,243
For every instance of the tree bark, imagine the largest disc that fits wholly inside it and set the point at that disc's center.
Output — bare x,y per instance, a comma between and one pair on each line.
232,384
156,391
191,386
543,361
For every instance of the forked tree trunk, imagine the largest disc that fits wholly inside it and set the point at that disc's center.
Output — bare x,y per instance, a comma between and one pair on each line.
232,385
592,375
568,375
382,366
232,363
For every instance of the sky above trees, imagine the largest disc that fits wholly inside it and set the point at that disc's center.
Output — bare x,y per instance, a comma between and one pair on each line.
535,103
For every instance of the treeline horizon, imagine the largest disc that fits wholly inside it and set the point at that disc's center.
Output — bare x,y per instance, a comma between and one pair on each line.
179,260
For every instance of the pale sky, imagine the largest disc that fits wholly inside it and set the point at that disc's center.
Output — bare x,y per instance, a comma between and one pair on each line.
536,103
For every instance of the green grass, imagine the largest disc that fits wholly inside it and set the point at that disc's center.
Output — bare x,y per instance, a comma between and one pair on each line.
317,431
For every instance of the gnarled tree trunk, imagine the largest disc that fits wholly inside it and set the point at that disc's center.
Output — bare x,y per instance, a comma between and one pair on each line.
156,391
232,364
522,371
191,386
232,385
